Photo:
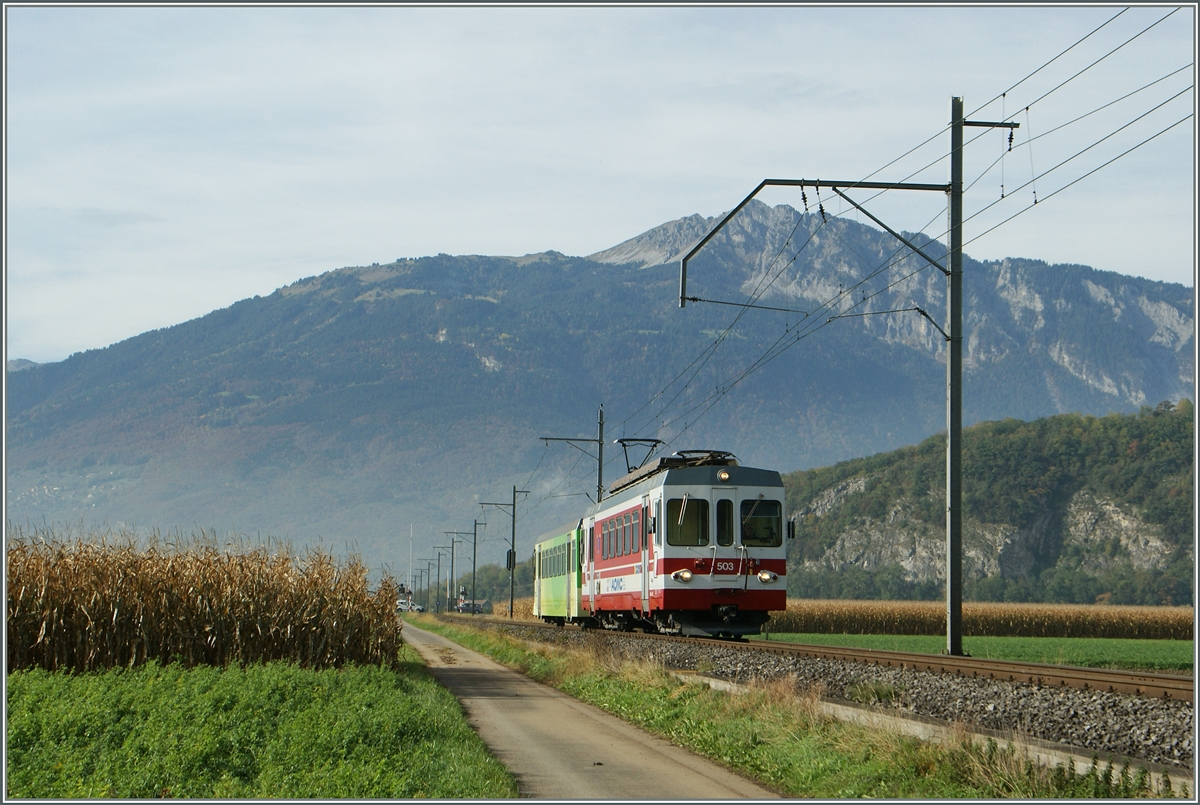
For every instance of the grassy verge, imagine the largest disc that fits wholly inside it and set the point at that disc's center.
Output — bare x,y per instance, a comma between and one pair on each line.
782,738
273,730
1163,655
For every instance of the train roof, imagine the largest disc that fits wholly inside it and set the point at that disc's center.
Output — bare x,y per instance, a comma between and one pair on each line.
561,531
682,458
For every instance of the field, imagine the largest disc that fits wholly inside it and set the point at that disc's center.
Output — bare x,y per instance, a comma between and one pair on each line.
105,600
984,619
1145,655
814,616
262,731
1087,636
184,668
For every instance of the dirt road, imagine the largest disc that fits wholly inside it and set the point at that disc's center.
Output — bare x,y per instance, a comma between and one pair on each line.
559,747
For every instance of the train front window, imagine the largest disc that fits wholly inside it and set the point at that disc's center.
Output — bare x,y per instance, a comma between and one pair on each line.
762,523
687,525
725,522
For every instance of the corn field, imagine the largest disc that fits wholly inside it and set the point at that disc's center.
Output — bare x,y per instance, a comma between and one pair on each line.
814,616
984,619
522,609
102,600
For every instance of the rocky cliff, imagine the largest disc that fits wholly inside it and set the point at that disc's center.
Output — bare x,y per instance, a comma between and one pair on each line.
1066,508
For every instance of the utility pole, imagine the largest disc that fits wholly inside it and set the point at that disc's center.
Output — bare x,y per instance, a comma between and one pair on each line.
429,580
952,333
512,550
598,441
439,579
954,389
452,541
425,586
440,549
474,562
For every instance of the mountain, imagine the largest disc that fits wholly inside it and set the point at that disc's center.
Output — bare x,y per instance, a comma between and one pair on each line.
1065,509
348,405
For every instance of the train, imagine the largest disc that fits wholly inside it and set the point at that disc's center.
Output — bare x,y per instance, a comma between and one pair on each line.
690,544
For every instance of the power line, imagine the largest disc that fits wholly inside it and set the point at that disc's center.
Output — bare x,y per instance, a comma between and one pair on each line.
793,337
772,352
1084,176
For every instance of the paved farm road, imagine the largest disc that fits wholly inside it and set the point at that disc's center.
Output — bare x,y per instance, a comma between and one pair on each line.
561,748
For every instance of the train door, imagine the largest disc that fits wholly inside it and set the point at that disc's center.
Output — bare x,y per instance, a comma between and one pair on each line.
589,563
646,554
726,559
566,576
537,581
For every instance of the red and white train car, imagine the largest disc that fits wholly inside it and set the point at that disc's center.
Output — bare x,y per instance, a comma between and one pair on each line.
688,544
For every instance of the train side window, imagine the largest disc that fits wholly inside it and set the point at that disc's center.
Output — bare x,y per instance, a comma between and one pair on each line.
687,525
637,532
606,539
724,522
626,535
658,523
762,523
591,541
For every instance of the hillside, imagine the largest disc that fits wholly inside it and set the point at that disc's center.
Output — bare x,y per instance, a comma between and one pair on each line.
1069,509
345,406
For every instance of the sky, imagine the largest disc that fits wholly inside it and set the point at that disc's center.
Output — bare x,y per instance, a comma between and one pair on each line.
165,162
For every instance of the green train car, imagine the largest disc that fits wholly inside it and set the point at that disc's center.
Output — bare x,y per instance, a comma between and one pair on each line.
557,593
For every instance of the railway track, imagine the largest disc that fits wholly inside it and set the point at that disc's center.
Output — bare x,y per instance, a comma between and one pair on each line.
1137,683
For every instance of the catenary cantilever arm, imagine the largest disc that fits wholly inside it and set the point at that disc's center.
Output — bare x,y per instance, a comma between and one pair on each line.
817,183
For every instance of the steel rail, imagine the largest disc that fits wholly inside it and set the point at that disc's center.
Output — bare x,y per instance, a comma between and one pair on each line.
1138,683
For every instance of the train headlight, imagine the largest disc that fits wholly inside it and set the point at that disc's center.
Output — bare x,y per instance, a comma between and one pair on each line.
682,575
766,576
723,476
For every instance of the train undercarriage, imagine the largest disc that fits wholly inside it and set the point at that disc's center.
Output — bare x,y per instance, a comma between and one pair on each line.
723,621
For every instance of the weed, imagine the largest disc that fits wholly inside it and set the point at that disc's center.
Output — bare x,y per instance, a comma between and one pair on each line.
872,692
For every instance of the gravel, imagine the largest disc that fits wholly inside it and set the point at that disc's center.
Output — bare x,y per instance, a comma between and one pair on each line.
1155,730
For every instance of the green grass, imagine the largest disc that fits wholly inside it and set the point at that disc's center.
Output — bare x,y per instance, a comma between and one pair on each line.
783,739
273,730
1162,655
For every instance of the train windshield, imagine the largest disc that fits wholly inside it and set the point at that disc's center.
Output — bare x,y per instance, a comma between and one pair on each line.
762,523
687,524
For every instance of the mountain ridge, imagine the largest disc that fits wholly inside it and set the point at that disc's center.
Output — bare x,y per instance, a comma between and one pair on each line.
308,412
